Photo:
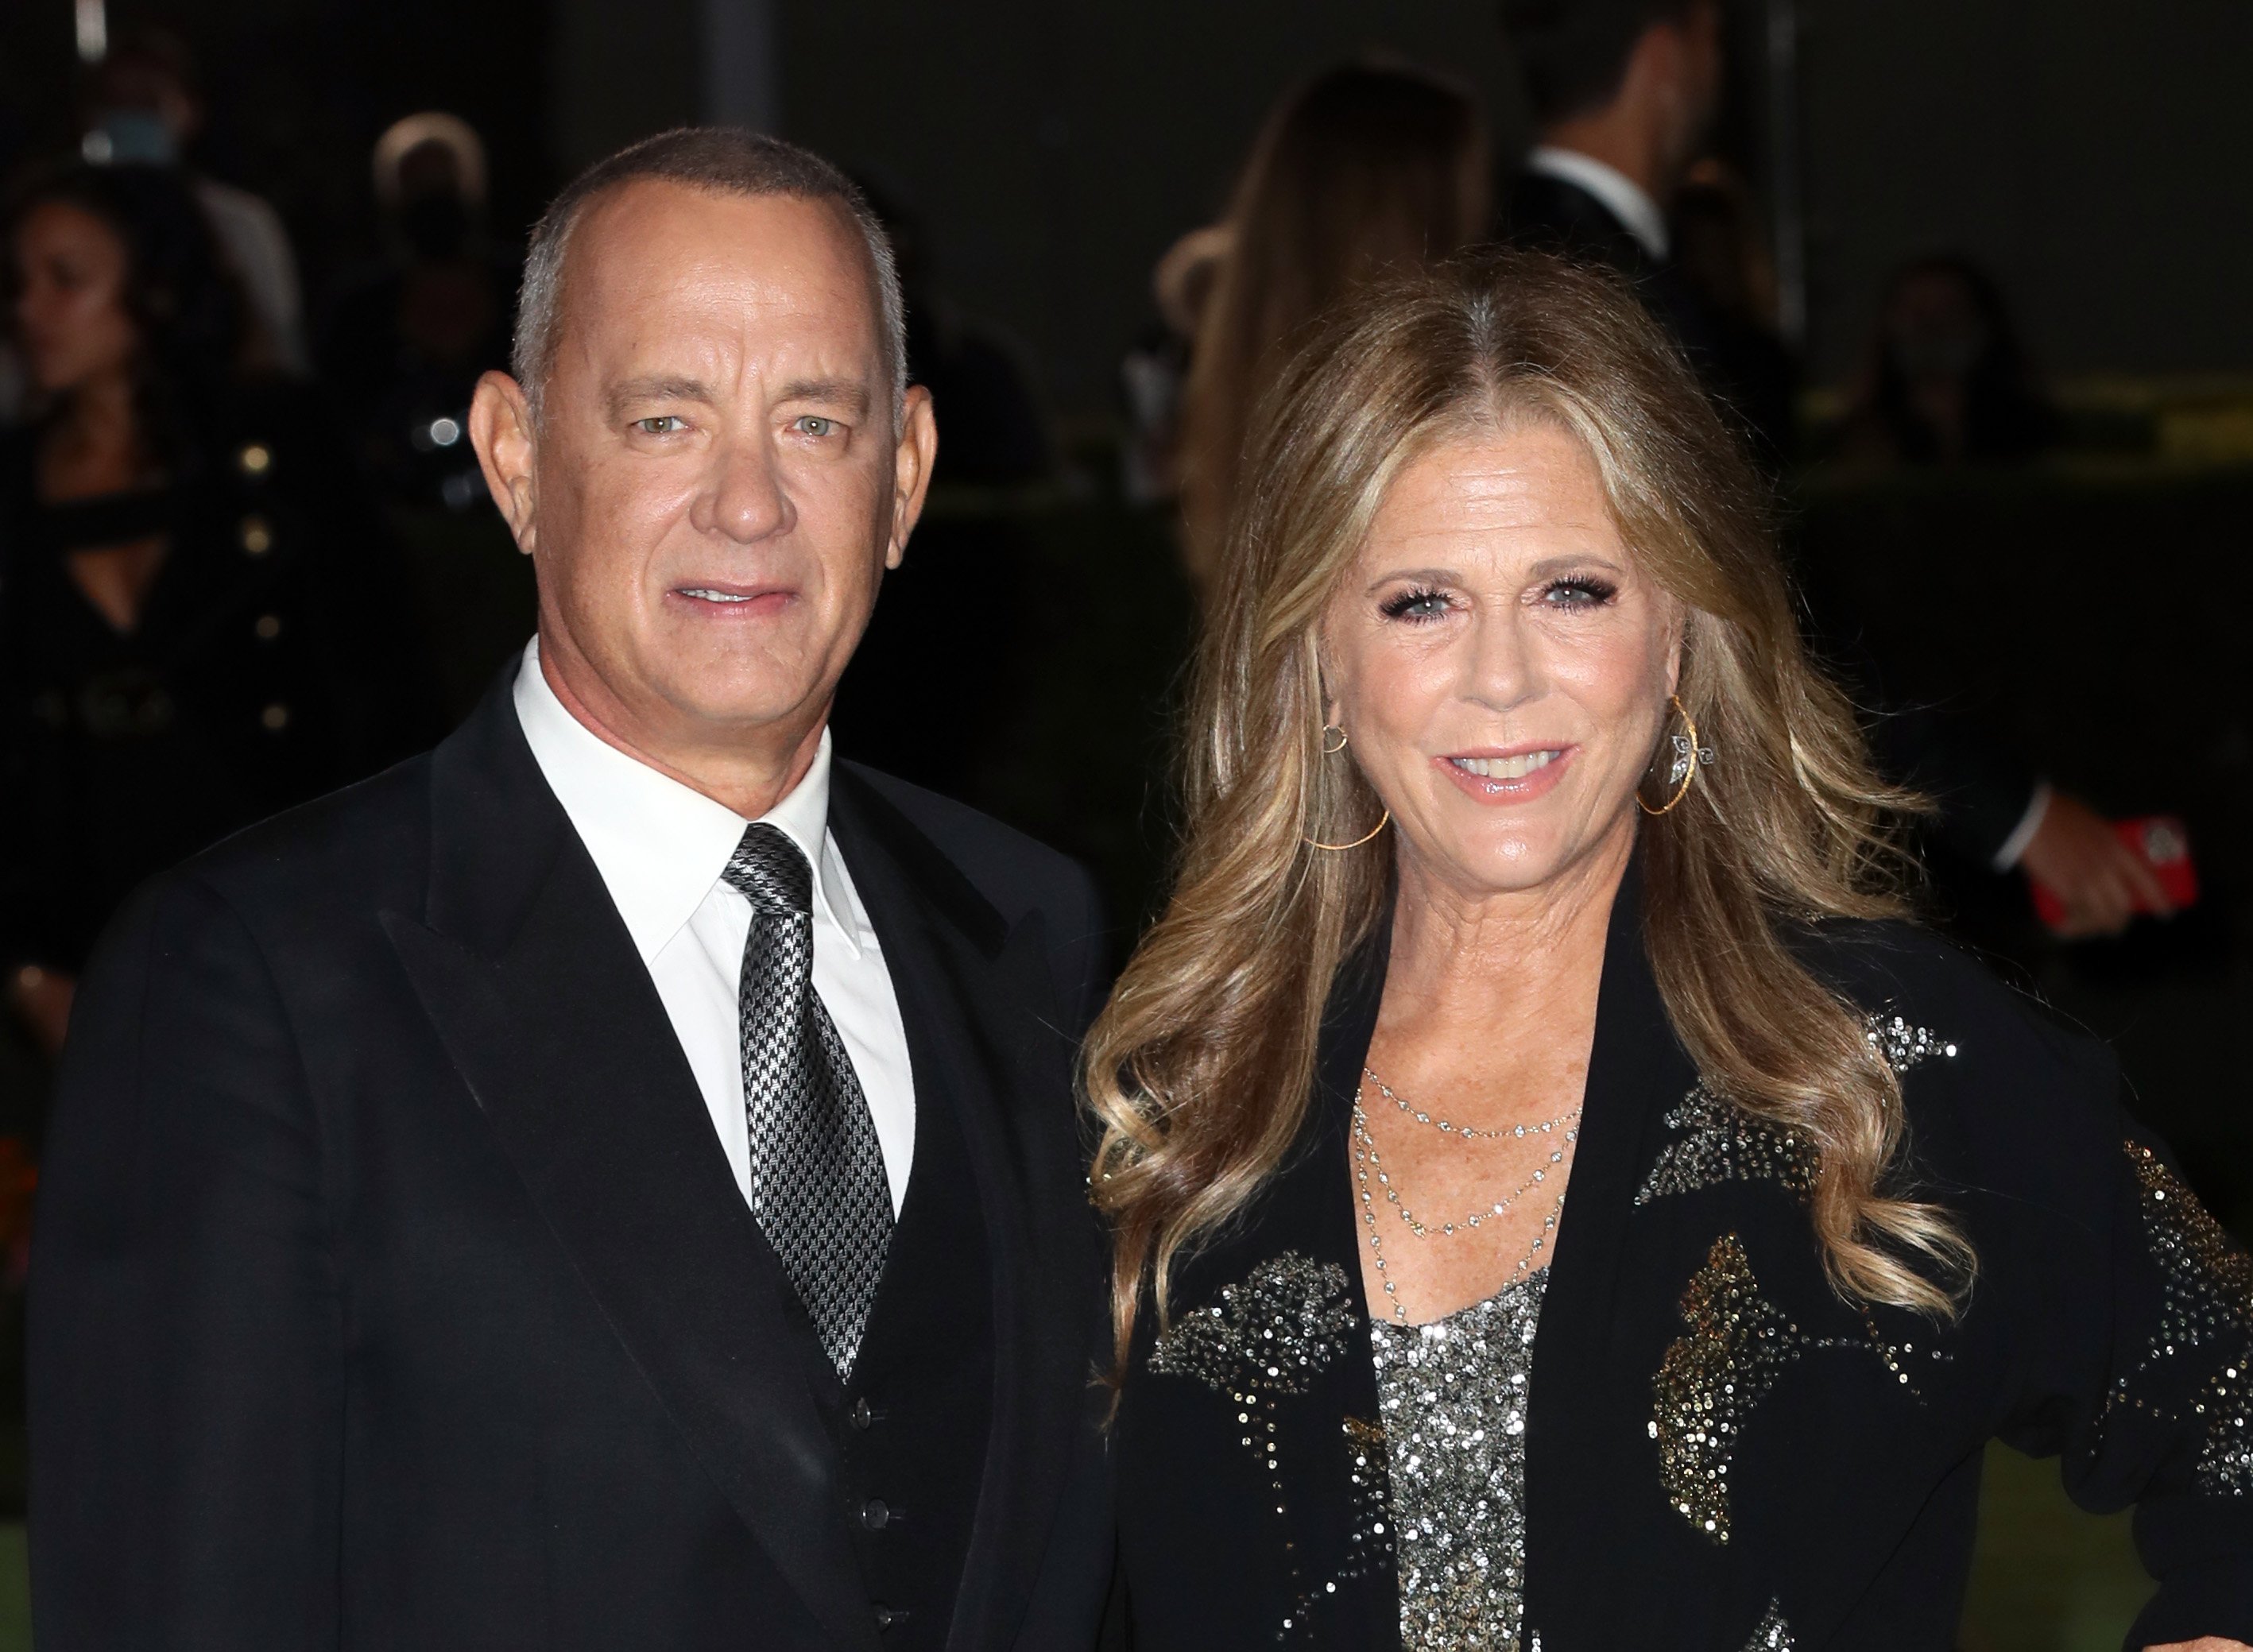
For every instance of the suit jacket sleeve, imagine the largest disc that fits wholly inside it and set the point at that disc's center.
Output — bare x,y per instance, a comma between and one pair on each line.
1081,952
186,1410
2140,1380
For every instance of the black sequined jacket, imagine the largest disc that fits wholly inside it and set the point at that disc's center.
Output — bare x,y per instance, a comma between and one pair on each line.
1720,1453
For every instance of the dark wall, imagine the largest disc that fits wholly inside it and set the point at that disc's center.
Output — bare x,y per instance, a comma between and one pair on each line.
1057,150
2095,155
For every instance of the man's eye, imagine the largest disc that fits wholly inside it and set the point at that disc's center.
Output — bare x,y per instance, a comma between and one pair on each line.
814,425
661,424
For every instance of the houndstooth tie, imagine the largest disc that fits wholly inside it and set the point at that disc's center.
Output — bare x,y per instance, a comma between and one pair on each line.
818,1184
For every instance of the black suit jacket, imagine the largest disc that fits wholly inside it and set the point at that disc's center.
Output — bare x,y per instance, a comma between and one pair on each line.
1747,368
391,1289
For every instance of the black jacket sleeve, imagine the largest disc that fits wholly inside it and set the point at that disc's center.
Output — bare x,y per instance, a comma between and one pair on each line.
186,1414
2144,1385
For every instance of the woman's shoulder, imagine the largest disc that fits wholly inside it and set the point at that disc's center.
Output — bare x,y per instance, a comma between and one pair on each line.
1929,1000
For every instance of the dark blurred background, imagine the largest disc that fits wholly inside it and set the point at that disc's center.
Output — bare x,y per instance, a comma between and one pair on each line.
2068,179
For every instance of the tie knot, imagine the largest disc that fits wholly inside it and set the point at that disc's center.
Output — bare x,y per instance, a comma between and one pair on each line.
771,872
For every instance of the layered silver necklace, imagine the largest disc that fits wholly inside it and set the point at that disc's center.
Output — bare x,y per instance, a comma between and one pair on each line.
1368,1160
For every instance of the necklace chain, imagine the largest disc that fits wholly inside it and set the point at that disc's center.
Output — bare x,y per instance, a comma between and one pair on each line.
1366,1158
1513,1133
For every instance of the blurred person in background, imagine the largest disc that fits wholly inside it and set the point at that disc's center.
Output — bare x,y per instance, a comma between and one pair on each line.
1947,381
404,347
1624,95
1155,371
1365,169
199,622
998,433
144,105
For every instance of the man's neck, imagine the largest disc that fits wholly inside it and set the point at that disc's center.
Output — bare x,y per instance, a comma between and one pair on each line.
750,778
1620,137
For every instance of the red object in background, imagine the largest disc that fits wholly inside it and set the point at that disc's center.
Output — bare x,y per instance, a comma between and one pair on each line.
2164,846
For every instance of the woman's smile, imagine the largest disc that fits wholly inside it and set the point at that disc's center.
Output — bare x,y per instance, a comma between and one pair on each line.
1508,776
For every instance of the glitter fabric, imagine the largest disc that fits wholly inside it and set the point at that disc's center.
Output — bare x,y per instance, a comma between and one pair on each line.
2208,1311
1453,1397
1713,1377
1265,1340
1774,1634
1716,1142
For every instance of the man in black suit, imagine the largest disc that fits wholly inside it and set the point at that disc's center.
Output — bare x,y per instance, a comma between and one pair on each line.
611,1181
1624,93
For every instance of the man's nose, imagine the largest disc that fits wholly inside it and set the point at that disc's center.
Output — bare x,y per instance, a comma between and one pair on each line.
744,498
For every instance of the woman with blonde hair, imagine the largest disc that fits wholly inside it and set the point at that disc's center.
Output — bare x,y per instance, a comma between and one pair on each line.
1367,168
1528,854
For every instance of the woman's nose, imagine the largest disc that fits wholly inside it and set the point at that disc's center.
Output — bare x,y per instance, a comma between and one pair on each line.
745,500
1499,669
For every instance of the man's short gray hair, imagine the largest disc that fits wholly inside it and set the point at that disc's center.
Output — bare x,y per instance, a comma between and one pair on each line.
722,160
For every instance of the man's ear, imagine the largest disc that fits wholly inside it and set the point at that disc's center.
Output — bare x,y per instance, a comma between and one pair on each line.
501,430
912,461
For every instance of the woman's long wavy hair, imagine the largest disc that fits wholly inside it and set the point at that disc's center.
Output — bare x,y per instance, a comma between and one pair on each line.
1366,168
1200,1069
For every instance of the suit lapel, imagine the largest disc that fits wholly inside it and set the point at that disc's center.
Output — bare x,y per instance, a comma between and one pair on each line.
970,990
526,969
1576,1456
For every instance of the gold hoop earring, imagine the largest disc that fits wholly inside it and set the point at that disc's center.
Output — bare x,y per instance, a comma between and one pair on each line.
1358,842
1689,757
1329,750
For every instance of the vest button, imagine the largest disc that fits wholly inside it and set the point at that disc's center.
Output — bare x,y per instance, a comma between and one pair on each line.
875,1515
891,1617
862,1416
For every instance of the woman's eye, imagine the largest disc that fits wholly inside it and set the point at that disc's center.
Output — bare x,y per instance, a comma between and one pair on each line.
1578,593
661,424
1417,606
814,425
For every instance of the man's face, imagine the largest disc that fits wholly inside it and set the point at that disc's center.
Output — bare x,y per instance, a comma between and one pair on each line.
714,483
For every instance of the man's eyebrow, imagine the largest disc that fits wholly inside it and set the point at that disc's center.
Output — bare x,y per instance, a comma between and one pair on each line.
850,392
624,393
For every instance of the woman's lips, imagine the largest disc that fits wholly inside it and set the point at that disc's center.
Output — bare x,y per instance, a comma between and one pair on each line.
1511,777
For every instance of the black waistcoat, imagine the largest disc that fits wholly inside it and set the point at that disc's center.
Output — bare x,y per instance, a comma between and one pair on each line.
910,1427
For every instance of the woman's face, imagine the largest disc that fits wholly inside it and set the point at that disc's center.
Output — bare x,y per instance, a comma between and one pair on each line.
1499,663
70,302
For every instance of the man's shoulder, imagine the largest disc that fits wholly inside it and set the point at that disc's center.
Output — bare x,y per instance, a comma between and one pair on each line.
1555,214
362,848
1014,873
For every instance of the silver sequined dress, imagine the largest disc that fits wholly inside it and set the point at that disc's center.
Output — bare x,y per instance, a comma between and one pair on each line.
1453,1394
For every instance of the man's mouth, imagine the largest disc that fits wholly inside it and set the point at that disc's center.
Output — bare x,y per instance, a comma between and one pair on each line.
760,599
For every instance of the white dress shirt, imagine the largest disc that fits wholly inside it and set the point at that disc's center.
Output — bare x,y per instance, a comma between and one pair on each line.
660,848
1622,196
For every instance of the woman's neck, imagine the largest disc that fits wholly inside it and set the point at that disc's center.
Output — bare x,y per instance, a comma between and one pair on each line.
94,446
1520,963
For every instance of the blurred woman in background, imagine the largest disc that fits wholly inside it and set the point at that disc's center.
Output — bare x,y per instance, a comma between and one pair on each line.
1948,381
1367,168
199,620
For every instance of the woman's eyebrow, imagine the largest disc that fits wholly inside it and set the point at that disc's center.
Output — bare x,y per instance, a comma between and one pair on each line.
1424,575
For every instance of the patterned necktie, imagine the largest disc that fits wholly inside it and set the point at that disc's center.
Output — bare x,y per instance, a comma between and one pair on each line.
818,1184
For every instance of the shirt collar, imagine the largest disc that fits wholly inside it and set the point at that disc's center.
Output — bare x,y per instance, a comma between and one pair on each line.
662,846
1621,195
